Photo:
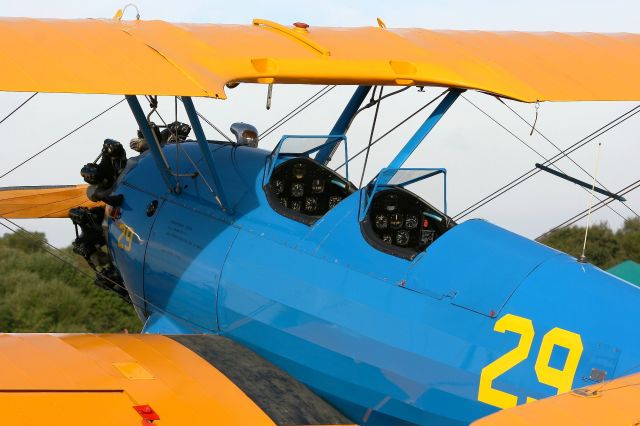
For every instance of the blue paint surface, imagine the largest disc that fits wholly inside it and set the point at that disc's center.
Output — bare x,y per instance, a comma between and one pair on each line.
387,340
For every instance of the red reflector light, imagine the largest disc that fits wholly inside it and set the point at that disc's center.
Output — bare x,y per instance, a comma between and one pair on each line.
301,25
115,213
146,412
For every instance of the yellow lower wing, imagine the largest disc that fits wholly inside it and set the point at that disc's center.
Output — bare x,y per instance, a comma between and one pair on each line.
29,202
611,403
119,379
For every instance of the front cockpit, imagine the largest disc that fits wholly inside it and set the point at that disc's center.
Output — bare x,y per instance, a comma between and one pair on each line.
304,190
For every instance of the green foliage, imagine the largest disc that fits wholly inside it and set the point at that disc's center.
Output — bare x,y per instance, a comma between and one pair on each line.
605,248
39,293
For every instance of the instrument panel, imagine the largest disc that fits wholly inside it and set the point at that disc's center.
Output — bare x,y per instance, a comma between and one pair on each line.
400,223
305,190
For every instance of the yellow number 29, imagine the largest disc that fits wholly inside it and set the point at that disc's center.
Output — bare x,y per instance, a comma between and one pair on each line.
486,392
126,234
561,379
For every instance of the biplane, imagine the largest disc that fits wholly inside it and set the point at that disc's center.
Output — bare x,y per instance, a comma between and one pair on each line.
284,292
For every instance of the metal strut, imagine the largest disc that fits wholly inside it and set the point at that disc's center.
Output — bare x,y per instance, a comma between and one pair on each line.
206,153
154,144
343,123
424,130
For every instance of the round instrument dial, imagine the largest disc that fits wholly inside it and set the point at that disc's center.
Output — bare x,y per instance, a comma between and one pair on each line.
391,202
295,205
334,200
387,238
317,186
395,221
297,189
299,170
311,204
411,221
402,237
381,221
277,186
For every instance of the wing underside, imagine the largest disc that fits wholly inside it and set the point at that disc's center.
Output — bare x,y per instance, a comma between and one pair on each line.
28,202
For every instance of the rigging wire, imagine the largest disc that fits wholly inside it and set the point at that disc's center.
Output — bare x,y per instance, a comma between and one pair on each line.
61,139
394,128
572,220
294,110
18,107
69,262
534,129
530,147
373,128
579,144
292,114
213,126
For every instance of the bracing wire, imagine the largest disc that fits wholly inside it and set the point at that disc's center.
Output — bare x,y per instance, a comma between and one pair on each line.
534,129
394,128
529,146
294,110
60,139
373,129
297,110
574,219
18,107
579,144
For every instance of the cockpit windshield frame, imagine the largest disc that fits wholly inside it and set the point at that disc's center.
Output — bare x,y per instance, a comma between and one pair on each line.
282,152
393,177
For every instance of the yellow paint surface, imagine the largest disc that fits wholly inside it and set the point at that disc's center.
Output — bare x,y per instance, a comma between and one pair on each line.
161,58
613,403
23,203
48,379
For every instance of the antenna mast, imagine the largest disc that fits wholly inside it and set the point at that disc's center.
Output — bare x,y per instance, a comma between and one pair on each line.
583,257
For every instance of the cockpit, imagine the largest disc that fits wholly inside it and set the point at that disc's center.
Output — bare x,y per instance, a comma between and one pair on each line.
397,221
305,190
392,219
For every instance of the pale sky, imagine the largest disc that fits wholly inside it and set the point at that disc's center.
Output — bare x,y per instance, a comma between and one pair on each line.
479,156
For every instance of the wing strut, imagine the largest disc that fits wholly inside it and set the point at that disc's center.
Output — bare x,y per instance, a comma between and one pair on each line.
206,152
154,144
343,123
424,130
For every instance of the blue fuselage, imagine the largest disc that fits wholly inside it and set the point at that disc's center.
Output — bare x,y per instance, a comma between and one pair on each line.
482,319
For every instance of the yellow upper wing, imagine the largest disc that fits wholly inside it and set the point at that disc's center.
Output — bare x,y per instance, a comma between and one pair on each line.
161,58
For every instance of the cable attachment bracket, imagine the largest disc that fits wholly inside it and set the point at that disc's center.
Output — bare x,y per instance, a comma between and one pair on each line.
535,120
